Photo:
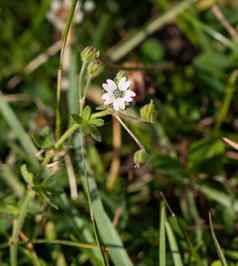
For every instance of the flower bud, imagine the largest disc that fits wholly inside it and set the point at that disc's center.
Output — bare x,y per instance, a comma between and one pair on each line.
147,112
139,157
94,68
120,75
89,54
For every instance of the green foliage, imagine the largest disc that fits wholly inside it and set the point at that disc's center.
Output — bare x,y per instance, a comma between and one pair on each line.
182,63
88,123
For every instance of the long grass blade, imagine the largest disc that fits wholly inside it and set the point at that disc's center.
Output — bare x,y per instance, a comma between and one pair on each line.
173,246
218,247
162,239
18,129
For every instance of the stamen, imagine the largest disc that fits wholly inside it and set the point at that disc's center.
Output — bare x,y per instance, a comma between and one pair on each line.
118,93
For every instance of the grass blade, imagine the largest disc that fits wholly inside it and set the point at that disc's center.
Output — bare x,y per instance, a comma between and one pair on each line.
162,239
218,247
122,49
108,233
218,196
173,245
18,129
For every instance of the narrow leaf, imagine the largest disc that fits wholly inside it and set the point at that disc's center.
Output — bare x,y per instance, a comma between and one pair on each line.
173,245
162,240
218,247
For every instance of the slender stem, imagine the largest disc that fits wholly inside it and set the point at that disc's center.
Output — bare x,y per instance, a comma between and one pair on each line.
17,226
58,116
101,113
65,243
66,135
81,76
140,145
85,173
59,74
48,157
84,93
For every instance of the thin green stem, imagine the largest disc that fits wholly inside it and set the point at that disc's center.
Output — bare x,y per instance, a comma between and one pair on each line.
59,74
218,247
55,242
85,174
81,77
58,115
101,113
65,243
84,93
140,145
17,226
229,93
66,135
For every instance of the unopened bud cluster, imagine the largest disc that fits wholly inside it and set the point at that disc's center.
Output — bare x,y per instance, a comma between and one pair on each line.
90,57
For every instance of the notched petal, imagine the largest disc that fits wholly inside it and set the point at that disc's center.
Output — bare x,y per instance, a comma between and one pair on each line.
111,85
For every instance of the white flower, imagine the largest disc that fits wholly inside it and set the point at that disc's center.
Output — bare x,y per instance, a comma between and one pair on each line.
118,95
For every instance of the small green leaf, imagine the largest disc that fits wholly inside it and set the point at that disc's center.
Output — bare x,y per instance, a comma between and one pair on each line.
45,139
76,118
28,176
97,122
86,113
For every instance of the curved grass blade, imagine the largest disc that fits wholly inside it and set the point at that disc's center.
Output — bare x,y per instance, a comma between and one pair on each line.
218,247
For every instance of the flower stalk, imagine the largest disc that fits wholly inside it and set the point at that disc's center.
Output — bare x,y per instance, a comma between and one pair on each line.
140,145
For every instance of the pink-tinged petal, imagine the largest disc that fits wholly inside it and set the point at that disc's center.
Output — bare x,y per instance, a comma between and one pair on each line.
116,105
128,96
119,104
128,99
108,98
111,84
130,93
123,84
122,103
106,87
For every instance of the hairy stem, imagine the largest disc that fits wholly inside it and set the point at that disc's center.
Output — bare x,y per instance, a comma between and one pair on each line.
140,145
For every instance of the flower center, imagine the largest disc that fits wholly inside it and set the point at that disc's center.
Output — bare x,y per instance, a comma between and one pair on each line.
118,94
